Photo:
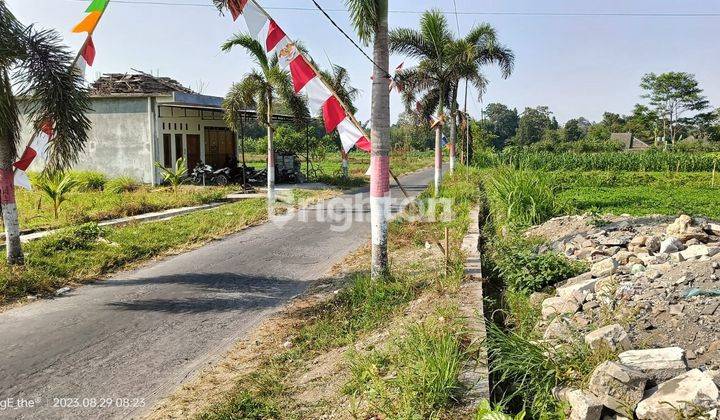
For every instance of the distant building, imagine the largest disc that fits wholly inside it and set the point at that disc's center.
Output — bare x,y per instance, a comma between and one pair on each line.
631,143
139,119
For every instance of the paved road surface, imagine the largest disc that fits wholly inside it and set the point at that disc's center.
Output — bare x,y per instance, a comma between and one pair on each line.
140,333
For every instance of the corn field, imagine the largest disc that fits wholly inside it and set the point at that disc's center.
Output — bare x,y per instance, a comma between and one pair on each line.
607,161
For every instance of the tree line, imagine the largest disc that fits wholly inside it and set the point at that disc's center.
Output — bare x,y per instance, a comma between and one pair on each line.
675,111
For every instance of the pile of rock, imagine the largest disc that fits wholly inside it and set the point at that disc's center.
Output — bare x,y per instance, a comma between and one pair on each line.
652,296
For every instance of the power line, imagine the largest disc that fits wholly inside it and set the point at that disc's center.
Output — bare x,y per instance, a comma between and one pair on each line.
464,13
352,41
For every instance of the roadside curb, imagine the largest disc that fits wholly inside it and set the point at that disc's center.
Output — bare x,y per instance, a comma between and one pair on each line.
474,375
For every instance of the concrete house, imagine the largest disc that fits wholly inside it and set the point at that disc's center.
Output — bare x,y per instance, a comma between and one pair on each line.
139,119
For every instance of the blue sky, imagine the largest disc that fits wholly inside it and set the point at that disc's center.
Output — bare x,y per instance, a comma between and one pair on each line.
576,65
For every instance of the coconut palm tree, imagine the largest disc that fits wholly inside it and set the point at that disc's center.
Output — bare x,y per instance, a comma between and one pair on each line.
370,19
433,45
478,48
50,92
338,80
264,89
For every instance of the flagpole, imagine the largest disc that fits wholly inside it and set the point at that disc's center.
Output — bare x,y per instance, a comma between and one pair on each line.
72,67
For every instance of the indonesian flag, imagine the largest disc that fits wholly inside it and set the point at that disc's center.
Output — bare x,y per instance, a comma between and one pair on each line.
38,147
86,58
306,82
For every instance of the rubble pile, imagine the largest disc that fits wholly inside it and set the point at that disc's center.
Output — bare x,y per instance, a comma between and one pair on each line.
652,296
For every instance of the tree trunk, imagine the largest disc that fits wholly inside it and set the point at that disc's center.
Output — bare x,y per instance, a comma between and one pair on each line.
270,156
453,129
380,155
10,216
438,147
345,164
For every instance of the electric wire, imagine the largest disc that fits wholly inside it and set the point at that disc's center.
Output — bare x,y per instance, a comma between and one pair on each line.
463,13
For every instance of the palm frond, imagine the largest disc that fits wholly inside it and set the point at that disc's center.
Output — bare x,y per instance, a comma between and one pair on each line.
54,93
434,29
365,16
282,84
251,45
409,42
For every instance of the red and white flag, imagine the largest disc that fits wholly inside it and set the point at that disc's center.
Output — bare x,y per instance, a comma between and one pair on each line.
306,81
38,147
86,57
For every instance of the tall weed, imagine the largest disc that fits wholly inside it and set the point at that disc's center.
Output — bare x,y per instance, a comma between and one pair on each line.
519,199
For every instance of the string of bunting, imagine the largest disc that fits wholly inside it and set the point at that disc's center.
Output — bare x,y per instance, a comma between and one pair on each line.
39,145
305,77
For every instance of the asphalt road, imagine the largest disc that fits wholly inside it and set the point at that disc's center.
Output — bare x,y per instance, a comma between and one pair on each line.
113,348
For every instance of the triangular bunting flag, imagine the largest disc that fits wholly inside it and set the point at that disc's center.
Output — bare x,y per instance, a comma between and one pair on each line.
88,24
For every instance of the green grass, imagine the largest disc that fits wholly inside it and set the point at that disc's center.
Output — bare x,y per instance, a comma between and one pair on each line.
638,201
36,213
76,254
416,376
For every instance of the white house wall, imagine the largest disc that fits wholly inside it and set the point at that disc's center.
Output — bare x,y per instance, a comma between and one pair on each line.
119,141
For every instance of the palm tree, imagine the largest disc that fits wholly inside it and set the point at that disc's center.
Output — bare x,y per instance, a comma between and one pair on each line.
433,45
338,80
445,61
478,48
263,90
370,18
51,92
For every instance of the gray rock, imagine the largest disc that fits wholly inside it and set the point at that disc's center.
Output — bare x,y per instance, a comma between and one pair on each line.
677,257
637,268
652,244
559,330
680,226
583,405
62,291
619,388
670,245
658,364
713,229
689,395
612,336
604,268
571,287
558,306
697,251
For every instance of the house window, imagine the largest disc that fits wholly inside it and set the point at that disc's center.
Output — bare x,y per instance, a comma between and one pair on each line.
167,150
178,146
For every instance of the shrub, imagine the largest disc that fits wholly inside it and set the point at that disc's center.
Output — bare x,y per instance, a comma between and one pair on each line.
519,199
485,411
74,238
121,185
90,180
524,269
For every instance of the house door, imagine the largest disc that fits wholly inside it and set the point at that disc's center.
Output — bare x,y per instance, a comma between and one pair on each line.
193,150
219,147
